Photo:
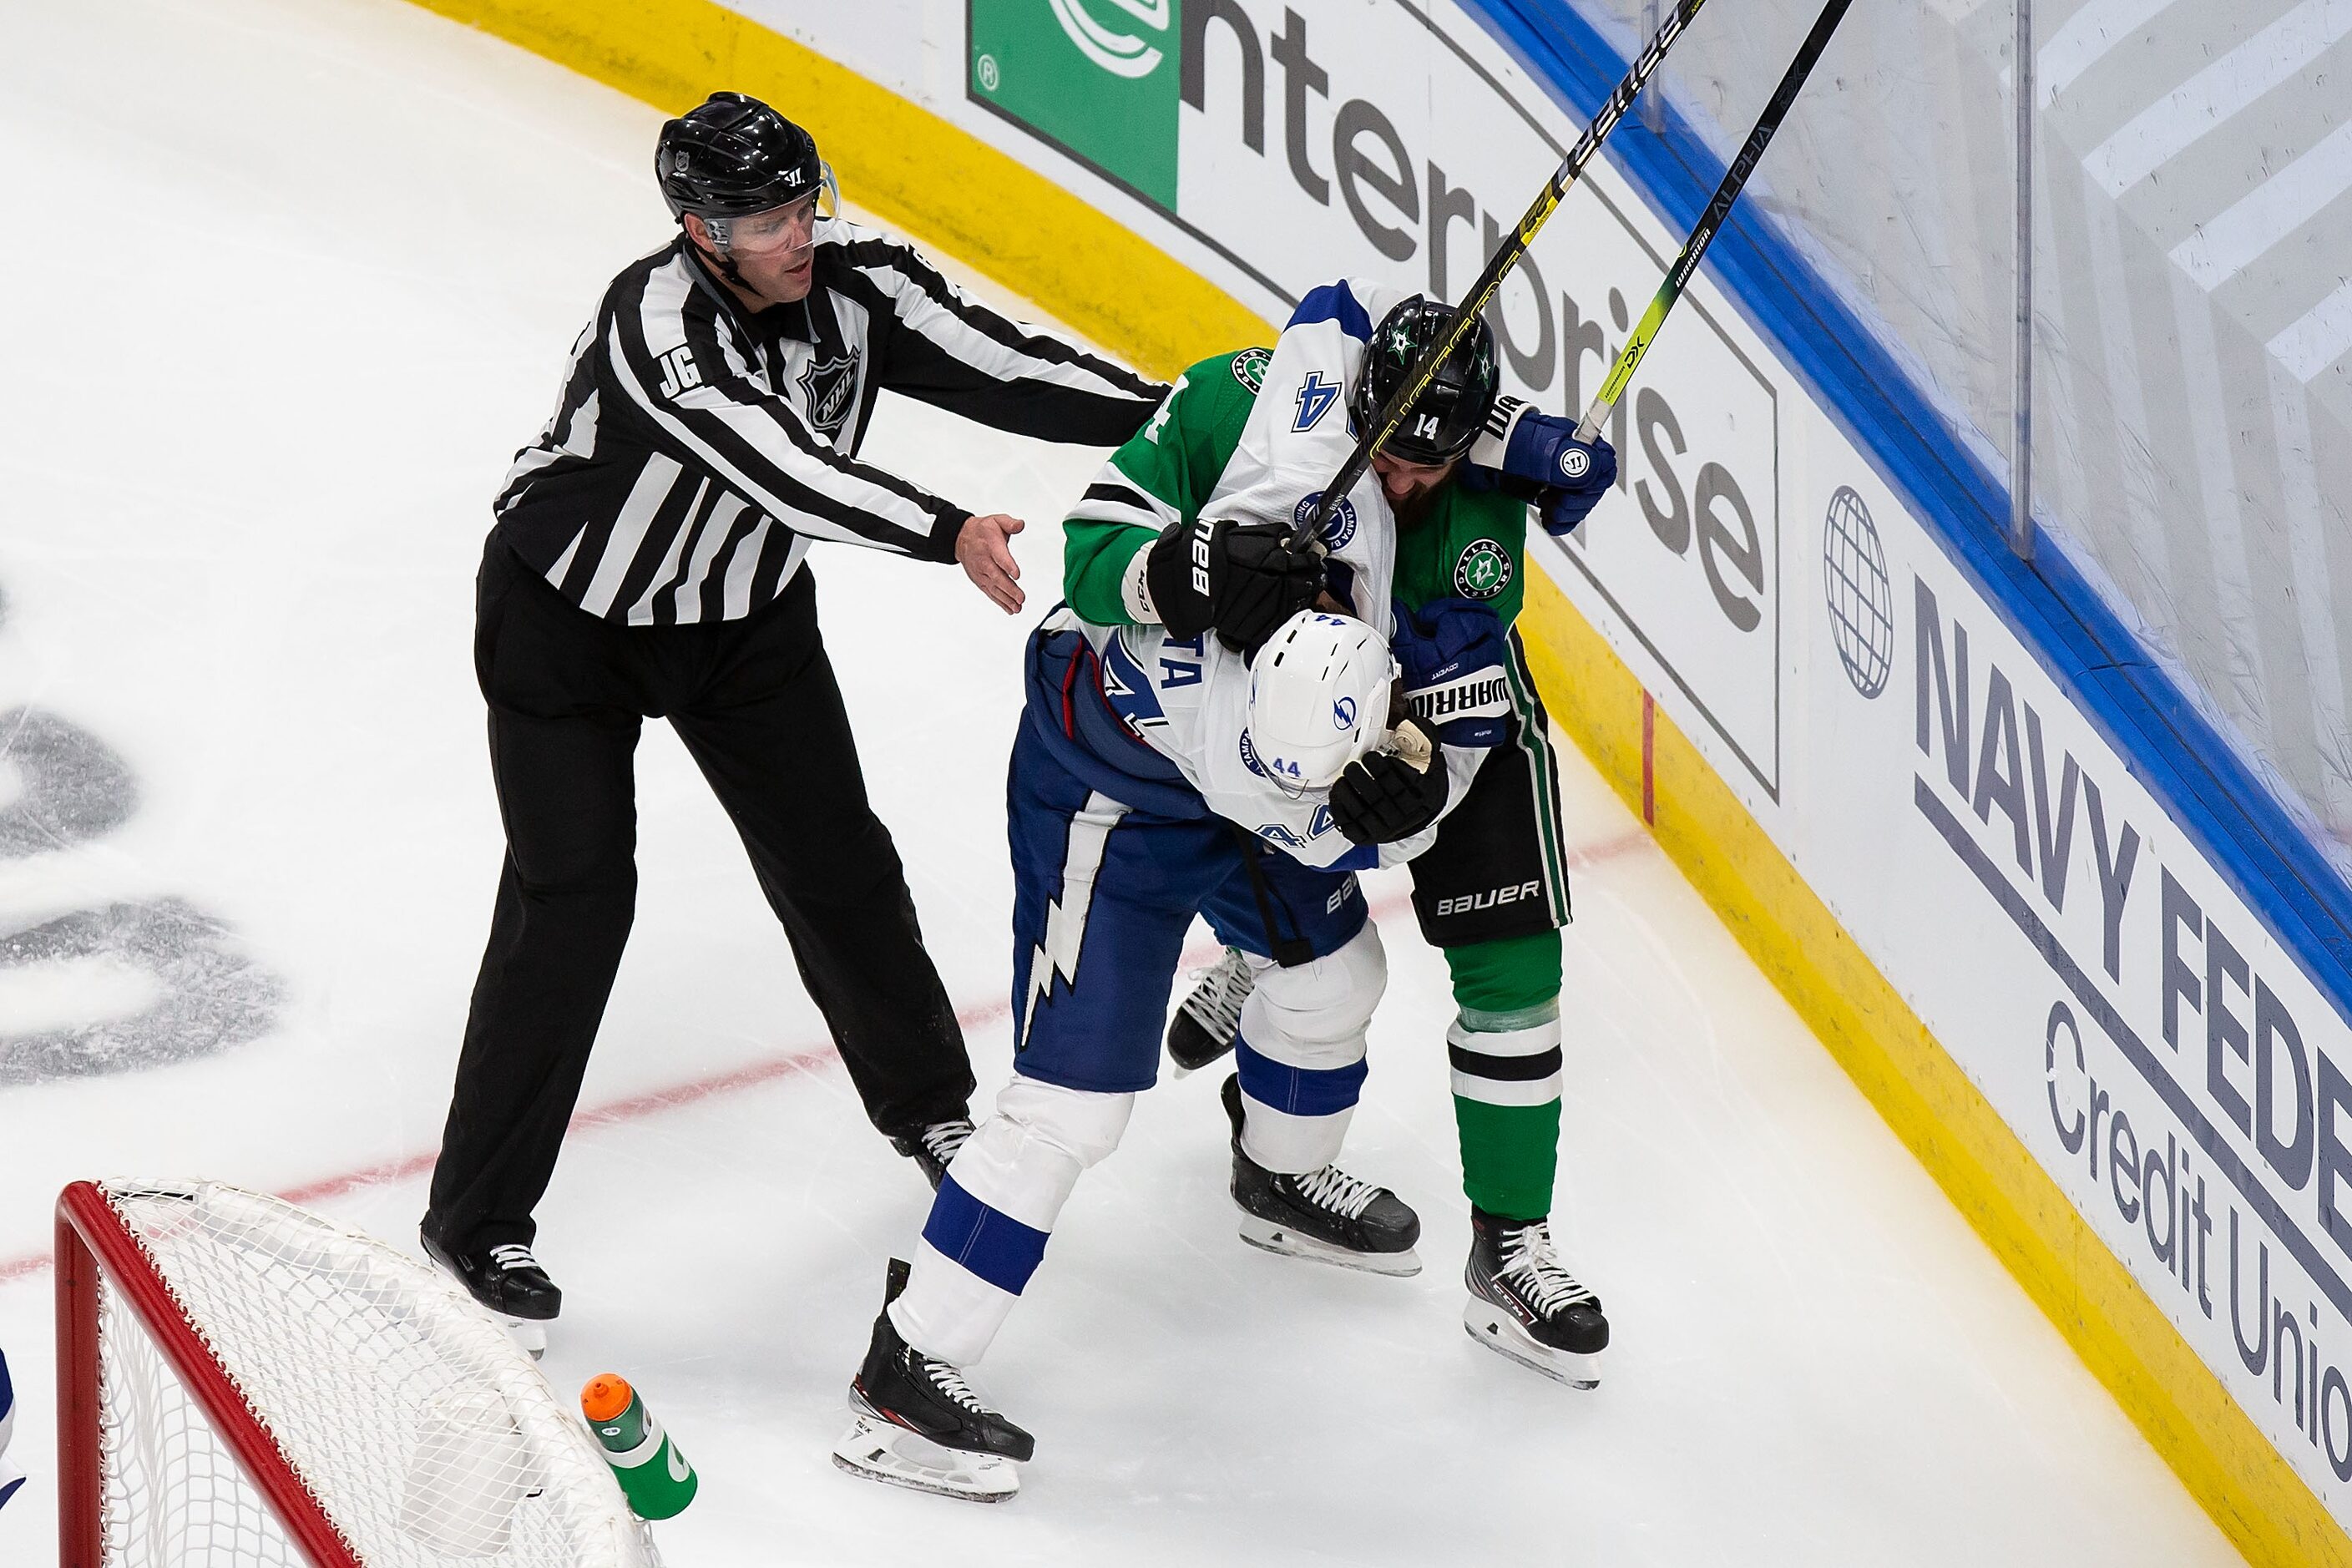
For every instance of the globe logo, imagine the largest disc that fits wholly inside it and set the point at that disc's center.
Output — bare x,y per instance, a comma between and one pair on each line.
1860,599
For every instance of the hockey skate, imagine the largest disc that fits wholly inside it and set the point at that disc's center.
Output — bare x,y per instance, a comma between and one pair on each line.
1204,1025
916,1423
508,1281
1326,1215
934,1148
1524,1305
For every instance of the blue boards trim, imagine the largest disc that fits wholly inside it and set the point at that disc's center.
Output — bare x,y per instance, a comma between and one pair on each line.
2196,774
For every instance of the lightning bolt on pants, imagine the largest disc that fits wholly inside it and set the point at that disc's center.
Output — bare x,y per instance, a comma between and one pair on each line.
1103,896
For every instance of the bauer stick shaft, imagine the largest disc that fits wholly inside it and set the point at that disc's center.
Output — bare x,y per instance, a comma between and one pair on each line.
1718,208
1498,265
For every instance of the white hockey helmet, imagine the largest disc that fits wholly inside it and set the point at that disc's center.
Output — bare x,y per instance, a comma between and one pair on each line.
1318,699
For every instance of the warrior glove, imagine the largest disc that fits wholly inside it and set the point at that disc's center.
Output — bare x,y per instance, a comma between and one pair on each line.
1574,475
1243,579
1454,657
1387,796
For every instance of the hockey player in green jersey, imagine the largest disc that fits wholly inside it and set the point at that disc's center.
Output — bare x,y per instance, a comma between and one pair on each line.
1180,529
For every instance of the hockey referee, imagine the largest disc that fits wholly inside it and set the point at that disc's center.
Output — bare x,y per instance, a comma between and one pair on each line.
647,560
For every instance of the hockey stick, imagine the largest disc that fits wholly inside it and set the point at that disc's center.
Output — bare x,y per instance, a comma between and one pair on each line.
1718,207
1498,266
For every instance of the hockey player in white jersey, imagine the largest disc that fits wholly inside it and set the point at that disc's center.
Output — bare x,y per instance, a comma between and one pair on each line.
1141,755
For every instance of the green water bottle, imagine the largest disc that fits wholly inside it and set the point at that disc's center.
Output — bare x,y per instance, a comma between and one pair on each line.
653,1474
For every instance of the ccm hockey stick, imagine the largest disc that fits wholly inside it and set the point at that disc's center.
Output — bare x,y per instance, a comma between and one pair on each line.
1718,207
1498,266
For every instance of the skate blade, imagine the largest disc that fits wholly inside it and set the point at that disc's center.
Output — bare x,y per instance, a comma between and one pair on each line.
879,1451
1500,1332
1288,1242
528,1332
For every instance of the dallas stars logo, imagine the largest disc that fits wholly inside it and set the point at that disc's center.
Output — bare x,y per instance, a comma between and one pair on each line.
1484,571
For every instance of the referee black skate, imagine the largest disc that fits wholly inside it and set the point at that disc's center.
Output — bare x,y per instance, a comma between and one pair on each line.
648,561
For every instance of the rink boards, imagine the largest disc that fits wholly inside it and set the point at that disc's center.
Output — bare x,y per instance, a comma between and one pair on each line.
1871,739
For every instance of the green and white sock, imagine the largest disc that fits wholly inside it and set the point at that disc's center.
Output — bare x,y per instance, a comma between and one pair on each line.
1506,1107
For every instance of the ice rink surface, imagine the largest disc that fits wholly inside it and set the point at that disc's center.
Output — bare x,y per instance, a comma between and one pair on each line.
288,283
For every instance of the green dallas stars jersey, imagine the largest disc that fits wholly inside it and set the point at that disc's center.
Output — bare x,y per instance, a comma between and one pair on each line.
1471,545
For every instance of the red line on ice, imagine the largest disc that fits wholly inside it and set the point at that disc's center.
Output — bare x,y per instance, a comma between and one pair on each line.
636,1107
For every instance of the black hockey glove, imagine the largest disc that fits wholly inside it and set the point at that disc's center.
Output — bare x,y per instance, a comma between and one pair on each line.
1243,579
1382,798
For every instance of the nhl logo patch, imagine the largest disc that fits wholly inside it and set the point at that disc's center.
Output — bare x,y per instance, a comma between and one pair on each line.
827,385
1337,529
1484,571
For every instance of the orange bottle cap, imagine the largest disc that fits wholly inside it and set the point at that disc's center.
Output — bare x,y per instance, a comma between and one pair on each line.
606,1396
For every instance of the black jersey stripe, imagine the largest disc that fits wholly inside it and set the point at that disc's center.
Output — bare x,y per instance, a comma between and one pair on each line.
736,453
697,503
877,253
1505,1070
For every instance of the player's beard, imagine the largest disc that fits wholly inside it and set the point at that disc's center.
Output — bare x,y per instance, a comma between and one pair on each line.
1415,509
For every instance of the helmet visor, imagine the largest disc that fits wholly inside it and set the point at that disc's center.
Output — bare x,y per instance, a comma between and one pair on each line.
780,230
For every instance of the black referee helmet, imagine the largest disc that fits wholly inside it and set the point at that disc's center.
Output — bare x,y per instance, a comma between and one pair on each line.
732,155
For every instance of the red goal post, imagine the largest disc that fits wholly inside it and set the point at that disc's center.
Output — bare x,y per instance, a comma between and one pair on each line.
91,1237
241,1383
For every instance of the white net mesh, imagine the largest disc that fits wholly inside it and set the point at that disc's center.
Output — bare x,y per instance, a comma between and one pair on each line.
427,1435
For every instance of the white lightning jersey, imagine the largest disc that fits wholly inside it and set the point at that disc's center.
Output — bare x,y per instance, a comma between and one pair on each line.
1188,701
1299,434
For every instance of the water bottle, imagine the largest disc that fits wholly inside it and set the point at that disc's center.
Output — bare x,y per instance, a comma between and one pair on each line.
653,1474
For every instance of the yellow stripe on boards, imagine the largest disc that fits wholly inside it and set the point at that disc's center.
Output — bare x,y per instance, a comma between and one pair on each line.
950,190
897,160
2190,1418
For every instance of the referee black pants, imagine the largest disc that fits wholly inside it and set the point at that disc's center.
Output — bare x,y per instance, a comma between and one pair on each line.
757,706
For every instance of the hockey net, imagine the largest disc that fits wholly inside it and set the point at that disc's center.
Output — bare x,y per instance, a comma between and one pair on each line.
244,1384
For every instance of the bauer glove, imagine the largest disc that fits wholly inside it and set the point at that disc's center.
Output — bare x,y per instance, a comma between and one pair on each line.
1543,450
1387,796
1243,579
1453,654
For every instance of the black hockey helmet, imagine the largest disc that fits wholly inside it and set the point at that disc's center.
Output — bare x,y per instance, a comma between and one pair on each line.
1449,413
732,155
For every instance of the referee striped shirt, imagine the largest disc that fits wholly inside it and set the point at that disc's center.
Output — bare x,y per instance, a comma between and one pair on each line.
699,447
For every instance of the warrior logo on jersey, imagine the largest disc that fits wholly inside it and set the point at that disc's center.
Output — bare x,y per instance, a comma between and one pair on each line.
1484,571
1249,369
1337,529
828,384
1315,396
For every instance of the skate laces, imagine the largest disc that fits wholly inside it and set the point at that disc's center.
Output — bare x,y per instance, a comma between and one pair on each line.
1217,997
948,1381
513,1256
1332,1188
945,1138
1530,1262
